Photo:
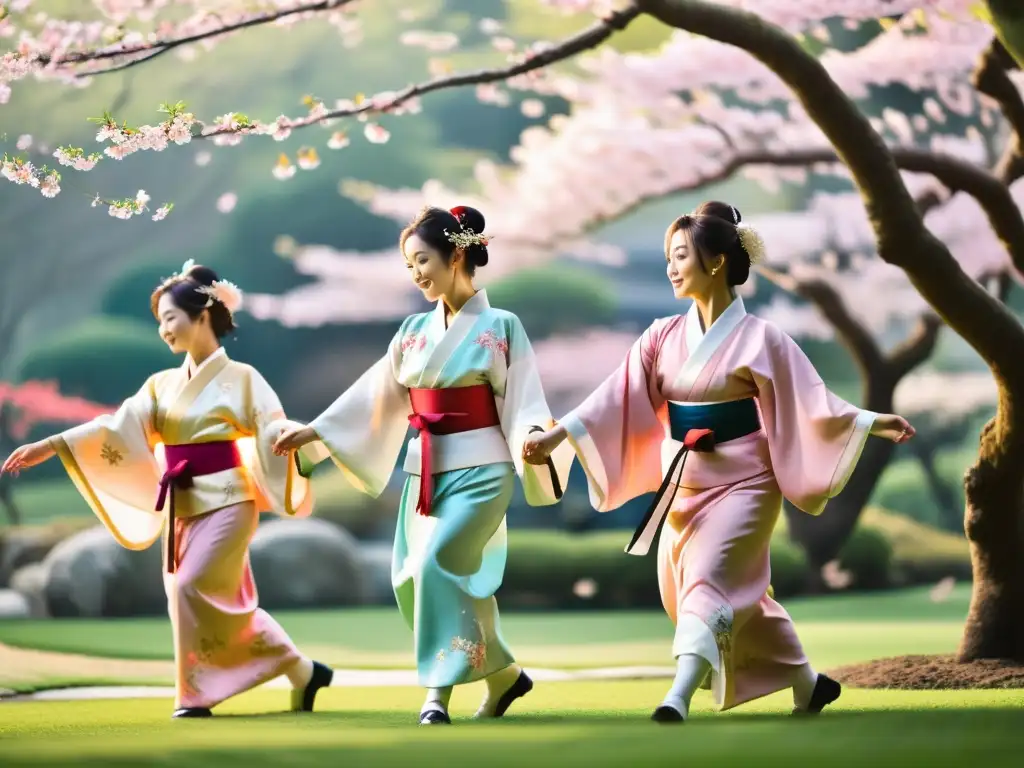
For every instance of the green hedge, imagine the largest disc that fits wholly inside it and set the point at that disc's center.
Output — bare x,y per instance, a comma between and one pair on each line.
545,568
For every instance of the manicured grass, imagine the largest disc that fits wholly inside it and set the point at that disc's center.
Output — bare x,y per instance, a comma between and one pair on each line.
563,724
836,630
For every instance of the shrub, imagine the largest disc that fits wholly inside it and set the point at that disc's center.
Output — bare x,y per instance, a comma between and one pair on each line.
554,569
867,556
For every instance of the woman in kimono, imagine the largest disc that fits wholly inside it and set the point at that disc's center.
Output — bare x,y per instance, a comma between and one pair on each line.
465,378
197,440
722,415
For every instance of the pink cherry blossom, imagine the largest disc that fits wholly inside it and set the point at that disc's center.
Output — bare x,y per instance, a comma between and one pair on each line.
227,202
307,158
532,108
376,134
338,140
283,168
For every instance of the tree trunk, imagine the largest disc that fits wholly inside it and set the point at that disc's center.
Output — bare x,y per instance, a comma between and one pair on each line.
994,523
823,536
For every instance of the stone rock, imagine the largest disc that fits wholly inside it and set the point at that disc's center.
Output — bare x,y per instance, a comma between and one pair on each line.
13,605
376,566
30,582
306,563
90,574
24,545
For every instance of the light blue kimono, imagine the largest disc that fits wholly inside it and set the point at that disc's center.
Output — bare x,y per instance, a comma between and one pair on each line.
447,566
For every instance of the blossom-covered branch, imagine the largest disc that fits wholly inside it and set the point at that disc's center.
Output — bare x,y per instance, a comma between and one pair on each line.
544,56
903,239
956,174
146,51
991,77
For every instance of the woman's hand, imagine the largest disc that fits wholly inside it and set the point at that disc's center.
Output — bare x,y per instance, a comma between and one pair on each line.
892,427
537,448
28,456
293,439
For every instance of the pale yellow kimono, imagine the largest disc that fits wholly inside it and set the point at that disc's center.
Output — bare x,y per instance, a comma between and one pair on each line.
224,644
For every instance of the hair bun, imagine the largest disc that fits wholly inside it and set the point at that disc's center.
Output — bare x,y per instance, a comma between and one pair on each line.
202,275
719,210
469,218
478,255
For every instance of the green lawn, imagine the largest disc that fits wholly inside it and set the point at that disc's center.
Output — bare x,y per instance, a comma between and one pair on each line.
836,630
561,724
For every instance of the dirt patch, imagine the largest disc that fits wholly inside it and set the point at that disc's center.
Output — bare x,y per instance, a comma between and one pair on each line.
917,673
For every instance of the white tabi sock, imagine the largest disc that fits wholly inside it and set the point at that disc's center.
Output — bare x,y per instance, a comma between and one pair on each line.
691,670
804,680
497,684
300,673
437,698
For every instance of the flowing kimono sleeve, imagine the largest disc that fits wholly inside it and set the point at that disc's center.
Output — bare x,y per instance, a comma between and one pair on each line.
523,410
363,431
111,461
814,437
280,488
617,433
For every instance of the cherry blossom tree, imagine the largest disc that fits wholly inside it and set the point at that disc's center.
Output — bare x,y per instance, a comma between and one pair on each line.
560,190
22,407
818,125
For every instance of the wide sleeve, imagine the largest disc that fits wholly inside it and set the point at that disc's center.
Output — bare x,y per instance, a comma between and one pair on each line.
364,429
111,461
280,488
814,437
617,433
523,409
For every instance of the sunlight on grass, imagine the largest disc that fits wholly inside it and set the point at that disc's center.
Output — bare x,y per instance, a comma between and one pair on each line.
564,724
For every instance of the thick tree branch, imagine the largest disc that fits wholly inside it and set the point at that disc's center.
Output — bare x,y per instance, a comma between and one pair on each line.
853,333
990,78
157,47
589,38
903,239
958,175
916,349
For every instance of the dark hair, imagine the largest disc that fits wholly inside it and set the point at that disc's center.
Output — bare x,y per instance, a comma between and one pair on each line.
712,227
435,226
186,294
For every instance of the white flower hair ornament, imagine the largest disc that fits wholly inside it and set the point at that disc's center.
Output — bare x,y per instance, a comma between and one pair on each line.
752,242
224,291
466,238
187,266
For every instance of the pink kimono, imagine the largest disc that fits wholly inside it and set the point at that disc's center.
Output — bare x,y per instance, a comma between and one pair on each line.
777,431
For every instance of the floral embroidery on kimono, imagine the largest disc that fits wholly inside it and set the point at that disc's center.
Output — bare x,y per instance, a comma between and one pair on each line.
111,455
414,342
490,340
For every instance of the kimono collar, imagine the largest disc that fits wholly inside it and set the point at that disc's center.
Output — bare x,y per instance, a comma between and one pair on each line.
476,305
732,315
191,369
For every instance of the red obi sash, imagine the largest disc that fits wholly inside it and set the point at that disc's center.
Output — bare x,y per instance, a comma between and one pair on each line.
185,462
447,412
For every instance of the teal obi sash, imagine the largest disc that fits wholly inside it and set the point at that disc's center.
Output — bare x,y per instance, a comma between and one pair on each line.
728,421
699,427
